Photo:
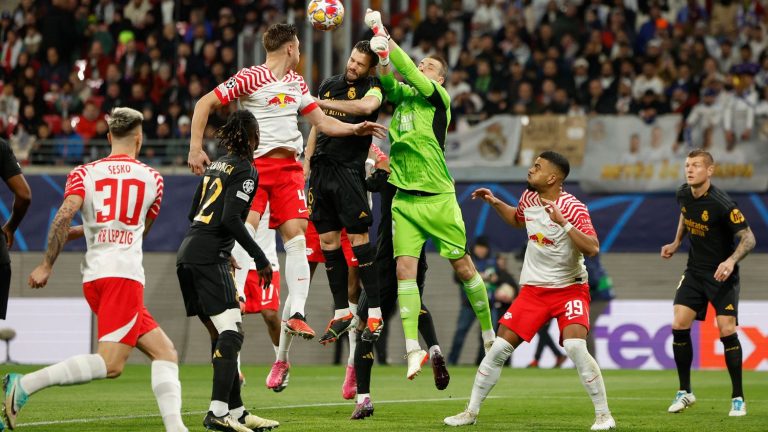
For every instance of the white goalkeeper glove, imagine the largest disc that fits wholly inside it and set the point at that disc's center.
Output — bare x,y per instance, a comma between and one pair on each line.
380,45
373,20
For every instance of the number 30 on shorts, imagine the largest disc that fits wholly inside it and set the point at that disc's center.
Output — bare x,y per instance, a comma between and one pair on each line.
573,309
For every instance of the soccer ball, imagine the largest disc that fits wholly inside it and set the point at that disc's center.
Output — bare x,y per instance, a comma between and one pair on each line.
325,15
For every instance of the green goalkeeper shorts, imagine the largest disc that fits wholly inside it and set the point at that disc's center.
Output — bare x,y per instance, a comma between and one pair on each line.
418,218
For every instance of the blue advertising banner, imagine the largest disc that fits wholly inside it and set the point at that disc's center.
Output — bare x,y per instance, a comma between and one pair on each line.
624,222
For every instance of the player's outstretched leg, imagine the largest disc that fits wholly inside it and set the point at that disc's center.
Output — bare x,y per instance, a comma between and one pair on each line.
476,293
487,376
297,280
366,257
349,387
74,370
592,379
410,305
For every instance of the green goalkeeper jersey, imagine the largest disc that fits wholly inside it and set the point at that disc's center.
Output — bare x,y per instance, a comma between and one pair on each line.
418,129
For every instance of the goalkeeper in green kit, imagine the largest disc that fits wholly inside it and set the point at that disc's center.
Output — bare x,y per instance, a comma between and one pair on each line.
425,204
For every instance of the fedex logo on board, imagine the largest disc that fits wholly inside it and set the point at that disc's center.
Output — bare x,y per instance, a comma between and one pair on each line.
638,335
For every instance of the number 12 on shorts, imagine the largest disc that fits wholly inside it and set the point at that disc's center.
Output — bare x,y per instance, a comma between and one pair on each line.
573,309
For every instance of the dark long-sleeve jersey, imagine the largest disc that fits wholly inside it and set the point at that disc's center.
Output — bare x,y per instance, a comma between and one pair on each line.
218,212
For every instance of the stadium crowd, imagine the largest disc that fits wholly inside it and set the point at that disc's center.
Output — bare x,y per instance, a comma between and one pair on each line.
65,63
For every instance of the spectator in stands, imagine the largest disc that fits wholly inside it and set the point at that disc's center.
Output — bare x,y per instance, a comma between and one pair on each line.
598,101
487,17
705,116
67,103
136,11
739,111
624,96
54,70
432,27
86,123
131,60
648,80
649,106
9,107
69,146
11,48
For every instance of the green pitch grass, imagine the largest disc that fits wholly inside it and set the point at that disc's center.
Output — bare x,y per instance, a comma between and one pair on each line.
524,400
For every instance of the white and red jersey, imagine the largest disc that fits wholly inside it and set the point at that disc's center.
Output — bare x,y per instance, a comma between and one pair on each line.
551,259
119,193
274,102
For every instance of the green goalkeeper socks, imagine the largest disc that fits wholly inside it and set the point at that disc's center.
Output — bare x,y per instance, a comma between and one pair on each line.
478,298
410,305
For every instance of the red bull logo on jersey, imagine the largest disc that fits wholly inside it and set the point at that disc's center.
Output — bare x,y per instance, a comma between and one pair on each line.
541,239
281,100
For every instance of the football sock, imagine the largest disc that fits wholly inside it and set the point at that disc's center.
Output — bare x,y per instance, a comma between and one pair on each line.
235,398
682,349
238,412
338,273
167,389
352,335
297,273
243,261
224,370
285,337
474,288
366,256
363,364
488,372
74,370
732,352
427,326
589,372
410,305
361,397
434,349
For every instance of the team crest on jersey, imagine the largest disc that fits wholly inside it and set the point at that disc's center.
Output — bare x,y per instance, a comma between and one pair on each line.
736,216
351,93
231,83
683,209
281,100
248,186
507,315
705,216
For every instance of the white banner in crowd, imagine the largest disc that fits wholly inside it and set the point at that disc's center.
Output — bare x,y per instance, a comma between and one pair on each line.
625,154
492,143
637,334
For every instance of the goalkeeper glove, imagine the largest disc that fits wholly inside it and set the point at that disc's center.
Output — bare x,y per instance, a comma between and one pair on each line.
380,45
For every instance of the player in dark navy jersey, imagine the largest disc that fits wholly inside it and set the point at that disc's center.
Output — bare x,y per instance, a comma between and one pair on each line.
218,213
337,196
10,172
711,220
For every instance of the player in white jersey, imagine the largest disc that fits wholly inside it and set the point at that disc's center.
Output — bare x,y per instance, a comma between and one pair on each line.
119,199
553,283
276,95
253,298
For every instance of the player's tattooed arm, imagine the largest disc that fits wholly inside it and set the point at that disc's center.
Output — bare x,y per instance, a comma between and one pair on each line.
57,235
747,242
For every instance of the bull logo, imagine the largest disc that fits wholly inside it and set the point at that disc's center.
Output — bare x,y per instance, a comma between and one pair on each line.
281,100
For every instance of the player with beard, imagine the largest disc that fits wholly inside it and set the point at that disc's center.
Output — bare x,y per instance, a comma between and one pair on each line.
337,196
553,283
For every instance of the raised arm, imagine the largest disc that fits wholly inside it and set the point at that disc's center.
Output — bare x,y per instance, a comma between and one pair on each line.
333,127
359,107
507,212
197,160
57,237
